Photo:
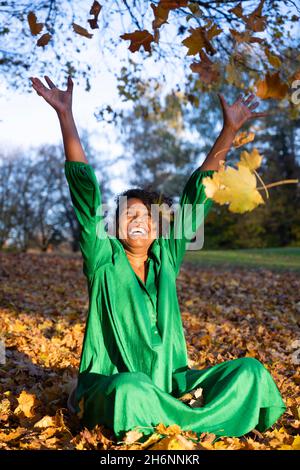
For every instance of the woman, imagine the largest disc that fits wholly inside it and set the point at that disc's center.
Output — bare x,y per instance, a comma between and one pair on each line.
133,366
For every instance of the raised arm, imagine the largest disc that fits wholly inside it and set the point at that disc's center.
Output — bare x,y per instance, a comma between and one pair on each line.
234,117
84,187
61,101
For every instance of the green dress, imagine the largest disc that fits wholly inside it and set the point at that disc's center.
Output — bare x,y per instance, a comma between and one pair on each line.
134,362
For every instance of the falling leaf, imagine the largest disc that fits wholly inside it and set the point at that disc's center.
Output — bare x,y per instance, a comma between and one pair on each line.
250,160
245,36
273,59
95,10
139,39
207,70
27,403
82,31
35,28
243,138
43,40
254,21
200,39
162,9
271,87
236,187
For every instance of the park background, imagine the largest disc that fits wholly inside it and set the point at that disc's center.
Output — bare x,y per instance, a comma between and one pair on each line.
146,119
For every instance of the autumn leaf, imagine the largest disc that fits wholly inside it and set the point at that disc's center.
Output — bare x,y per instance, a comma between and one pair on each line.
35,28
200,39
161,11
132,436
27,403
168,430
254,21
244,36
243,138
236,187
273,59
271,87
250,160
82,31
207,70
176,442
138,39
95,10
43,40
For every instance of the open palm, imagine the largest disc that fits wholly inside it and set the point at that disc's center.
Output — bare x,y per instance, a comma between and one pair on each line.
60,100
241,111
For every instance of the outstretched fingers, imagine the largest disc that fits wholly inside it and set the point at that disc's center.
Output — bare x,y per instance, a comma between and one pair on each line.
262,114
38,86
50,83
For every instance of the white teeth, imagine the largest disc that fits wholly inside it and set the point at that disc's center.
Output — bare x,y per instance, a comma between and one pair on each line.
137,230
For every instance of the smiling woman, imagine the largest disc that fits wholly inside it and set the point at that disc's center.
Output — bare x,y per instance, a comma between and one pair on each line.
134,362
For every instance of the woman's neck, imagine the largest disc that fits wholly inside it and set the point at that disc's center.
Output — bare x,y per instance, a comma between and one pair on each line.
136,259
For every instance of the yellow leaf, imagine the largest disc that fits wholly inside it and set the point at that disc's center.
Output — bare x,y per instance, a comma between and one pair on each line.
250,160
168,430
236,187
296,443
176,442
243,138
212,185
12,435
45,422
27,402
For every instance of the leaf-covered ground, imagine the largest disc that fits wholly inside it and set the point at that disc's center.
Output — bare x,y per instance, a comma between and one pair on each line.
226,314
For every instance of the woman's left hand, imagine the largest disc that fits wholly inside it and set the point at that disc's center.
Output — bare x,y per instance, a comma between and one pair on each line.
241,111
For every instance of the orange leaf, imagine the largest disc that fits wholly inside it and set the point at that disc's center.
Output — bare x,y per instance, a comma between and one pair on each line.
27,403
271,87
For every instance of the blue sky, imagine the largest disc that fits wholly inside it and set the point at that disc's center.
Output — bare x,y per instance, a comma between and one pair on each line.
26,120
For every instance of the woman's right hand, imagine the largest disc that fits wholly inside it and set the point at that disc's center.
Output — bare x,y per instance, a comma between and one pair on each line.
60,100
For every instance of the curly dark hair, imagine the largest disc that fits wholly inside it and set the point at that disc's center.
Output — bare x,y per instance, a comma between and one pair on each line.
148,197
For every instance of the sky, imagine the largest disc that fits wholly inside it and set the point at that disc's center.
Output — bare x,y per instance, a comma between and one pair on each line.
26,120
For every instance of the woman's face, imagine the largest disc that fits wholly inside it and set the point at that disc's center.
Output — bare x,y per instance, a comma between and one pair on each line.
136,226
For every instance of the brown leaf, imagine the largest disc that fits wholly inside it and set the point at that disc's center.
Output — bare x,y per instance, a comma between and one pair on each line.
82,31
43,40
139,39
35,28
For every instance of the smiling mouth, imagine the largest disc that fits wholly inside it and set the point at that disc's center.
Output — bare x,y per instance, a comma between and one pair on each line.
135,232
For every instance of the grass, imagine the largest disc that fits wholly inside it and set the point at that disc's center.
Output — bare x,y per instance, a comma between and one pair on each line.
287,259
